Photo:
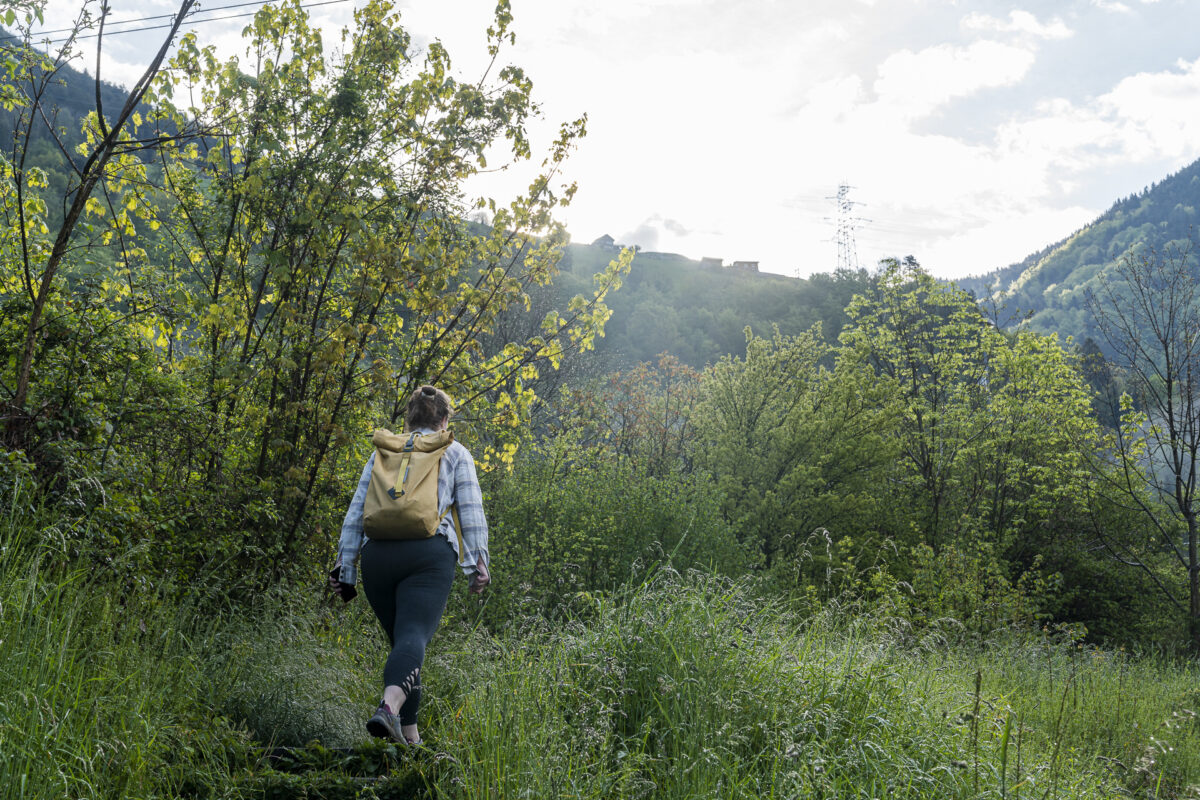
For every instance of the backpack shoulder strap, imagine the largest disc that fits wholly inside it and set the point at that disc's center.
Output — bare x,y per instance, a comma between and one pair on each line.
462,550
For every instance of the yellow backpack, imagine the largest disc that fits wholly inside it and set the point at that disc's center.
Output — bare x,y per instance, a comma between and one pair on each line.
402,497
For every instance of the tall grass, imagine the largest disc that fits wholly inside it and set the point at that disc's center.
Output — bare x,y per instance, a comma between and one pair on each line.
1132,719
291,671
693,687
686,686
97,689
109,689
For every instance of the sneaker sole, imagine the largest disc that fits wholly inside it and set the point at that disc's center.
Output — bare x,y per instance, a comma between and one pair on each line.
377,729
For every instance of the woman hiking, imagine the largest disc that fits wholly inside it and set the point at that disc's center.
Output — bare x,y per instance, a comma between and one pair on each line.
407,580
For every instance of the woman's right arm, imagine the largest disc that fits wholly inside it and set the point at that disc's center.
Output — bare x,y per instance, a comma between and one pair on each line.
469,498
351,540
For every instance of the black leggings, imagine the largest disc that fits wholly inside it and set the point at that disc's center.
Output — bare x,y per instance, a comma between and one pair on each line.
407,583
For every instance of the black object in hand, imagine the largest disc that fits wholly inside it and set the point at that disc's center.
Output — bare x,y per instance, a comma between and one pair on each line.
346,591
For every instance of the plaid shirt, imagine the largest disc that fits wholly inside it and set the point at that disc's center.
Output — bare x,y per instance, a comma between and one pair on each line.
457,483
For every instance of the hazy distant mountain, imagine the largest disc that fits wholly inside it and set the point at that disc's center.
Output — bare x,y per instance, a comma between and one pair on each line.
1051,285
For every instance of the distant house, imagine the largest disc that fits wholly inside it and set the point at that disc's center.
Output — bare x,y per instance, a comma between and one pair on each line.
715,263
606,242
745,266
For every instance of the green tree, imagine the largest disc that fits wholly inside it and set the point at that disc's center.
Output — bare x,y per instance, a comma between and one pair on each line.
991,429
1148,309
792,445
305,263
323,245
107,151
932,347
1106,383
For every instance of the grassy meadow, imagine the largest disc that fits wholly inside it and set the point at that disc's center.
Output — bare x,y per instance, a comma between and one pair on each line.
676,685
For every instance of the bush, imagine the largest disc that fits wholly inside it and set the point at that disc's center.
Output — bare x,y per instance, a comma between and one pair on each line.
972,587
563,528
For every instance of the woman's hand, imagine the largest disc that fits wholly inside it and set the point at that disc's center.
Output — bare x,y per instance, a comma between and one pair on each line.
346,591
481,578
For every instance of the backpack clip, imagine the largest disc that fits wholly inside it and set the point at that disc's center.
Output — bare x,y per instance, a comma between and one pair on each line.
402,474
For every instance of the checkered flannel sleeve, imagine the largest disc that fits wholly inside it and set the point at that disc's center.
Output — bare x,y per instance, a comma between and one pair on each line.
351,540
469,498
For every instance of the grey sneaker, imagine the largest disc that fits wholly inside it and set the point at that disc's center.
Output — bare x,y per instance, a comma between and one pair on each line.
384,725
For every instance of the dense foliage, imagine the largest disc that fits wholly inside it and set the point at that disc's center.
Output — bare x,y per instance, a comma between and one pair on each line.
288,258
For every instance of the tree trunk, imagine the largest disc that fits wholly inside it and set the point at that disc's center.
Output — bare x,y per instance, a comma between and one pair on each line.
1193,584
92,173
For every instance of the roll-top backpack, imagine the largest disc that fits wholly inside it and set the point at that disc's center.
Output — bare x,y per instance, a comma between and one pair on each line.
402,497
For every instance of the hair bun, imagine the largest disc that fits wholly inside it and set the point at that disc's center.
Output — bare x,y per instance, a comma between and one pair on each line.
428,407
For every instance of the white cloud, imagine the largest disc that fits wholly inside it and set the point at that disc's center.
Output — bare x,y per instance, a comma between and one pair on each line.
1115,6
1145,117
1018,22
653,230
915,84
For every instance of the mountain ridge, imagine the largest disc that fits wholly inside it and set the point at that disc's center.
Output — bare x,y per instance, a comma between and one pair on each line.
1048,289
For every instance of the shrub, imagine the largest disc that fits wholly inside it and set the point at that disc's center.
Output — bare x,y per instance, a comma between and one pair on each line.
563,527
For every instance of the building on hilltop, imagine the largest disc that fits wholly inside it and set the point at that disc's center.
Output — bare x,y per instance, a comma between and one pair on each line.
713,263
745,266
606,242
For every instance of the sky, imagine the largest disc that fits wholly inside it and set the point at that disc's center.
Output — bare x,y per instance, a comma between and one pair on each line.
970,133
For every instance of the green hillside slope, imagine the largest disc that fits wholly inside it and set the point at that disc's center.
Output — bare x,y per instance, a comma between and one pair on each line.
699,312
1051,286
67,96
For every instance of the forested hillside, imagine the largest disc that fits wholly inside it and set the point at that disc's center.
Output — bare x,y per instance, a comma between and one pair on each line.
1052,285
67,97
699,313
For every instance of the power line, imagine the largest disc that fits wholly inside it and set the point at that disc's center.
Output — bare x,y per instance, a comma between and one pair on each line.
172,16
198,21
208,19
149,19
